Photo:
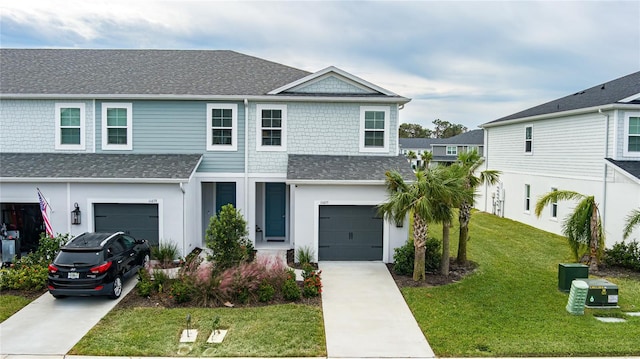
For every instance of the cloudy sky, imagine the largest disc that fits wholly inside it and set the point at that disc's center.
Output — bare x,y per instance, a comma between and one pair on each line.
465,62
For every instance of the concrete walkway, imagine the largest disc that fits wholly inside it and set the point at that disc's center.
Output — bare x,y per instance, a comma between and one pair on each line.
365,315
49,326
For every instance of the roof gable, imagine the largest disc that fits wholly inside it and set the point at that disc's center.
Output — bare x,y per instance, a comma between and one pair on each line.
329,80
625,89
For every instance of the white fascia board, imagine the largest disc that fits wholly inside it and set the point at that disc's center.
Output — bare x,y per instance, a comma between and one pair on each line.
271,98
338,182
622,171
631,98
195,168
336,70
91,180
579,111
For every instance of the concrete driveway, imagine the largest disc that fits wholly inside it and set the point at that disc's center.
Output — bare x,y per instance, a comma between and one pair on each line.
49,326
365,315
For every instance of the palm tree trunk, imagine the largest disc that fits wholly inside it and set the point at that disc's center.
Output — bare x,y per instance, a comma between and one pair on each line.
464,217
595,239
444,261
420,227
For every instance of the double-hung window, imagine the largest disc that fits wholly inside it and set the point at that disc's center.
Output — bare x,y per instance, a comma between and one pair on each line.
374,129
452,150
632,135
222,127
554,206
527,198
271,128
69,126
528,139
117,126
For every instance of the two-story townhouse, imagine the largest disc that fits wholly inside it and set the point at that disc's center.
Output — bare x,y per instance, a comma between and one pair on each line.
444,150
154,142
588,142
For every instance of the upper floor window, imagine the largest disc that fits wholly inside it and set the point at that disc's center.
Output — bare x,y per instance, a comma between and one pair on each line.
528,139
374,129
117,129
632,134
222,127
69,126
452,150
527,198
271,128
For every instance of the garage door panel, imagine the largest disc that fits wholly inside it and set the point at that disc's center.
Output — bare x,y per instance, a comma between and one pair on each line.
350,233
139,220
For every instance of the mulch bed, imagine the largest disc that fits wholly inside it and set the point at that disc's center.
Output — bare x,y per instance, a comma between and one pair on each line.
31,295
456,273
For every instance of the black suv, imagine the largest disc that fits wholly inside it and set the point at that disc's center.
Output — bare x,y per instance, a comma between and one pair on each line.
96,264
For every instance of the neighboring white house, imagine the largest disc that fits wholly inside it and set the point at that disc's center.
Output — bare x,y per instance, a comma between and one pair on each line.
154,142
588,142
444,150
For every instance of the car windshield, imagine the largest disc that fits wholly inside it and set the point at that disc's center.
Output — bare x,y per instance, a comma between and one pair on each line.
78,258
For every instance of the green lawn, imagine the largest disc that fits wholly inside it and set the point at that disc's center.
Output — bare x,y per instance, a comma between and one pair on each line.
10,304
511,306
288,330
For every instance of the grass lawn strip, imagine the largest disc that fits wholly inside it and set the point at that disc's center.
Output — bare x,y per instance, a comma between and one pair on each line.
10,304
288,330
511,306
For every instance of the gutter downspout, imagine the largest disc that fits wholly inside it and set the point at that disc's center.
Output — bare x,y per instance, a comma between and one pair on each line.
246,163
604,174
184,227
93,135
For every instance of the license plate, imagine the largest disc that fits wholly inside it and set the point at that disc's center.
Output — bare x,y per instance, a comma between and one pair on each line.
74,275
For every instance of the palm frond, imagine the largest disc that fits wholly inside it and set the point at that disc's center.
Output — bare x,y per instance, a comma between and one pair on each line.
554,197
632,220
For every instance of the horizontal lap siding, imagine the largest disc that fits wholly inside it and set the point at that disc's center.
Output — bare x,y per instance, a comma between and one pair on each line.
180,127
569,146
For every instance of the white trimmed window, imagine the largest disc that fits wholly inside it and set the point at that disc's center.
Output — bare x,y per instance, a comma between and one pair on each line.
452,150
69,126
222,127
117,129
528,139
271,129
374,128
632,135
554,206
527,198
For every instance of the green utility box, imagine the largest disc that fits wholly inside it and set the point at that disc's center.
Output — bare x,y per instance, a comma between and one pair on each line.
601,294
567,272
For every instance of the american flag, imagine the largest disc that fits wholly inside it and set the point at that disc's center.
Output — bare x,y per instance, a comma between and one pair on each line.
45,216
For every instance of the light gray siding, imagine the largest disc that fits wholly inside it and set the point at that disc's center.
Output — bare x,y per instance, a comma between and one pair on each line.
178,127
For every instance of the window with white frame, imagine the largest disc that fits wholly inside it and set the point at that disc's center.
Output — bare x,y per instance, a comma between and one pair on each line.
69,126
271,128
222,127
528,139
117,126
452,150
554,206
527,198
374,128
631,135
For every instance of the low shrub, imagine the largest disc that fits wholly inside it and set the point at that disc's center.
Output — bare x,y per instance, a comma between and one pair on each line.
312,285
626,255
290,290
182,291
266,292
145,286
25,274
404,256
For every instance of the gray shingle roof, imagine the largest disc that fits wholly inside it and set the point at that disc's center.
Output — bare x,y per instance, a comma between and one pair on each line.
473,137
142,72
603,94
418,142
98,166
346,168
632,167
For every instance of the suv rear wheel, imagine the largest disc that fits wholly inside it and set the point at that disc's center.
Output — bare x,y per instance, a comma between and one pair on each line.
117,288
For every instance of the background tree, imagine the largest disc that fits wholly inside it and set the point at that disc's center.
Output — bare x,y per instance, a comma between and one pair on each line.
469,162
420,199
632,220
583,228
446,129
425,157
412,130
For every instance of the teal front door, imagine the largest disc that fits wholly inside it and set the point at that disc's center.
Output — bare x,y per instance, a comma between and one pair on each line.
225,194
275,209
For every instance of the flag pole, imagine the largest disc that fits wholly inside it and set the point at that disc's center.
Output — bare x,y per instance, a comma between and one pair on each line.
44,199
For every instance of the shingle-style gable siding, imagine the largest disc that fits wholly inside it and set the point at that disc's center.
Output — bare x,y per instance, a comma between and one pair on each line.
330,85
151,72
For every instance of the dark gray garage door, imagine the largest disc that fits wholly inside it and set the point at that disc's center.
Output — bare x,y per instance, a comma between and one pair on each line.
138,220
350,233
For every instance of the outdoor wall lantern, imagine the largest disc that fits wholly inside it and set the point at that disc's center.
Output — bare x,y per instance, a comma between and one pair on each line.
75,214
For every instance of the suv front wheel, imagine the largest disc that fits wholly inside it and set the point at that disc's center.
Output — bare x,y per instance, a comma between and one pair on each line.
116,291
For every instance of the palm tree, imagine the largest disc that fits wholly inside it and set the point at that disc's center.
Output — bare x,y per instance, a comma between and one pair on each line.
470,161
583,228
423,199
426,157
411,155
633,219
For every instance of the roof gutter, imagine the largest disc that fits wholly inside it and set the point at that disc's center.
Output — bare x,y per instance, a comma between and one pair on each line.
561,114
337,182
91,180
